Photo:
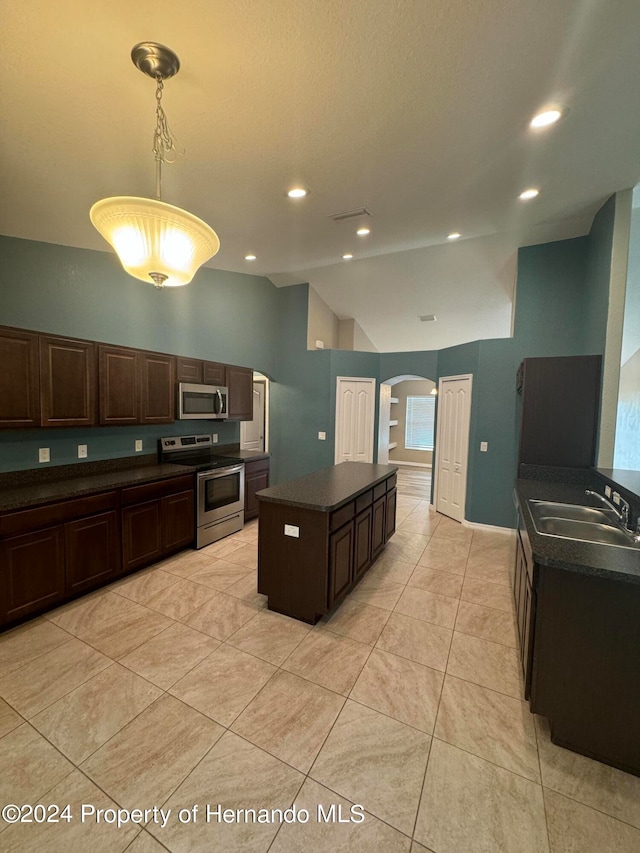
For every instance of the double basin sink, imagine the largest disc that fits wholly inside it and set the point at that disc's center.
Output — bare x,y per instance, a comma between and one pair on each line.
584,523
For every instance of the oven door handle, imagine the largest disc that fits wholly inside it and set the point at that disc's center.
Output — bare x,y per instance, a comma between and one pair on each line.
220,472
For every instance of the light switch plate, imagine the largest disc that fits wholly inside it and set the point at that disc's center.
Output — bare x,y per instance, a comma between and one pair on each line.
82,451
292,530
138,445
43,454
484,446
322,436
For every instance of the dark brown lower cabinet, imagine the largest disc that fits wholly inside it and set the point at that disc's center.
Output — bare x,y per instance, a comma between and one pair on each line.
32,575
378,524
523,593
340,562
159,526
91,551
256,477
390,514
178,520
53,552
141,535
362,543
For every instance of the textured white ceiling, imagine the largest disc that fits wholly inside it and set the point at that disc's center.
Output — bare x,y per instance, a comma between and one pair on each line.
415,109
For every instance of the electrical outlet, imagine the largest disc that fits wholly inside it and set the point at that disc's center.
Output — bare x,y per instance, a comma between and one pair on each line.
322,436
44,455
292,530
138,445
319,344
484,446
214,438
607,491
82,451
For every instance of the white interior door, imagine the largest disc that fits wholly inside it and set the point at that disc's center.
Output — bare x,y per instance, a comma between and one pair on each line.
454,413
252,433
355,414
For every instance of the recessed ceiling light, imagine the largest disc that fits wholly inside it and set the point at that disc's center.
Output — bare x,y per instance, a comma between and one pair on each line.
347,257
297,192
545,118
362,232
525,195
249,257
455,235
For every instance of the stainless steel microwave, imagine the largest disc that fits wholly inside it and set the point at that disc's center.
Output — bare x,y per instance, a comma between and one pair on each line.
202,402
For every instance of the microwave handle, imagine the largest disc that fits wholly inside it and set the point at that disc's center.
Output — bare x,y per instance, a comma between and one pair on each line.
219,395
222,403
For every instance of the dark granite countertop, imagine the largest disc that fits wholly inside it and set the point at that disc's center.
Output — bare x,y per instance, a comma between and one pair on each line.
328,489
74,482
245,455
609,561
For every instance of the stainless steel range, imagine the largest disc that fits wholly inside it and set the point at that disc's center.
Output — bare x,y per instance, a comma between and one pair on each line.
220,485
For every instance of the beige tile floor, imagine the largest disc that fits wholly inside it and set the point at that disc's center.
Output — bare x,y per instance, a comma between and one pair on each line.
176,687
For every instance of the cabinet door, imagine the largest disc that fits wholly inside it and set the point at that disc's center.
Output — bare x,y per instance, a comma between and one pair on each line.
362,545
256,477
390,515
119,382
67,382
378,527
214,373
31,573
158,394
240,384
178,521
92,547
340,562
189,370
19,382
141,535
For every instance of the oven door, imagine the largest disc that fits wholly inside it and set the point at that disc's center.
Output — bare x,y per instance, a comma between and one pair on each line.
220,493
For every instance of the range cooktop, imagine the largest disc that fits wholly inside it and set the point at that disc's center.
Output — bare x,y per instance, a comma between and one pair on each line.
195,450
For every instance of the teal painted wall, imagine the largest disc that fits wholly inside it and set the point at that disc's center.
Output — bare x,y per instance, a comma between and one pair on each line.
240,319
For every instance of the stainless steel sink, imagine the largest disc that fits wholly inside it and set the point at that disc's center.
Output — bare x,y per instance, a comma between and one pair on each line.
584,523
544,509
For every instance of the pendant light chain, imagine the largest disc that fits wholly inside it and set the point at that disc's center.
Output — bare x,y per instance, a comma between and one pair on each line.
163,142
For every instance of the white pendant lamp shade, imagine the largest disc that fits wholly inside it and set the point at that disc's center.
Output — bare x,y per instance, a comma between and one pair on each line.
155,241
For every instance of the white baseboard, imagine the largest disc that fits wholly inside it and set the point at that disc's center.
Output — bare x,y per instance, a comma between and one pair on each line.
410,464
488,527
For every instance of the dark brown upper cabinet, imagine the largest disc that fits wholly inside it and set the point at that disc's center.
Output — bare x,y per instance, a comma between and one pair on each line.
240,384
157,400
196,371
119,382
560,409
19,381
189,370
68,380
215,373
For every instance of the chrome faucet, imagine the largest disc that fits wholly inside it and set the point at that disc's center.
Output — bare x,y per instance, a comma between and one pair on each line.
622,514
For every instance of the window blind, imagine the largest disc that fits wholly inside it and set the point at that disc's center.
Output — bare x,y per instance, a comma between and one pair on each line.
419,423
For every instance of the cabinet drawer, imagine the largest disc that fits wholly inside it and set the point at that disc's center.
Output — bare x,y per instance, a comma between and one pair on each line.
364,500
391,482
379,490
252,466
342,515
46,516
158,489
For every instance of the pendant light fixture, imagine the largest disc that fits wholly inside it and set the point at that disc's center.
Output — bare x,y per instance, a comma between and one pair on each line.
156,241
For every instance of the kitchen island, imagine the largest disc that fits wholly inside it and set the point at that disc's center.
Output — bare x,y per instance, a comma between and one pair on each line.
319,534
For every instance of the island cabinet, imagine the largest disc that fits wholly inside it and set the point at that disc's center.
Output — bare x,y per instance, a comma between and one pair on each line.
319,534
525,602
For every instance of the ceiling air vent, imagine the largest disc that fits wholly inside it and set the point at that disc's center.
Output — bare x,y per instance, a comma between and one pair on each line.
349,214
428,318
